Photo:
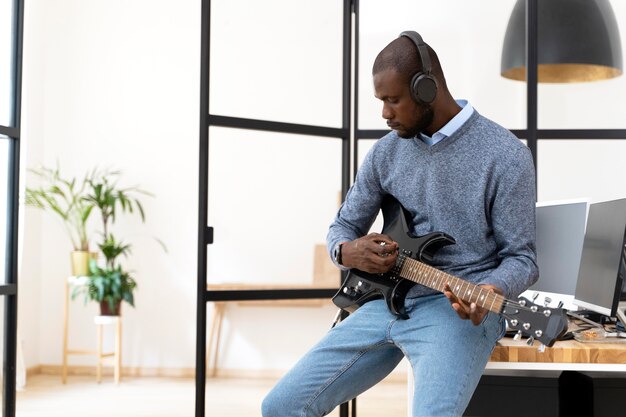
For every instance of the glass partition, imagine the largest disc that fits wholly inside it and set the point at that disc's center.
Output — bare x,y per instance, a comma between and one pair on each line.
272,197
593,169
470,58
281,66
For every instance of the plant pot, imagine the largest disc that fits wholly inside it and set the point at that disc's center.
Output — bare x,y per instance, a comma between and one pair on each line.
80,262
105,309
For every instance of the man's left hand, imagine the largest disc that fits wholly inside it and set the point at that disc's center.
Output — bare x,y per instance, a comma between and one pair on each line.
468,311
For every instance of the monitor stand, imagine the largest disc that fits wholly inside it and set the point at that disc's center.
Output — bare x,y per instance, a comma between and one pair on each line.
621,312
585,319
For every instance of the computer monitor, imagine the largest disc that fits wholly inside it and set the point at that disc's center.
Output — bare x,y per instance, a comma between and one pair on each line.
602,263
560,235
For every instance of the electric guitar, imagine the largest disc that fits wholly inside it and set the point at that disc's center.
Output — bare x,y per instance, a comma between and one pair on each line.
412,267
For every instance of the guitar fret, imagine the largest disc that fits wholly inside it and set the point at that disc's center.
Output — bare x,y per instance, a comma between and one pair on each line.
422,273
481,297
457,286
494,300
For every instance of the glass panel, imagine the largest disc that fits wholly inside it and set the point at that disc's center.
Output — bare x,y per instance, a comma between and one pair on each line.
4,200
364,145
469,56
590,105
282,66
591,169
6,61
271,199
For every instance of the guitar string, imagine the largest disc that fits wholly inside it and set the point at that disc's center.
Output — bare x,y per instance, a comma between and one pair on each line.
428,270
422,273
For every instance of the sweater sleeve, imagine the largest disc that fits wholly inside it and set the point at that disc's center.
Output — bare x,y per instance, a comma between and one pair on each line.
359,210
513,220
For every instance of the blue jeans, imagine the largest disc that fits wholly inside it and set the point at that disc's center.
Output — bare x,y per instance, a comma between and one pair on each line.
447,354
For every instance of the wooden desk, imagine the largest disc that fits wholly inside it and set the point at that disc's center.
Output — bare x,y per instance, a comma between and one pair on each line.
571,378
515,358
564,355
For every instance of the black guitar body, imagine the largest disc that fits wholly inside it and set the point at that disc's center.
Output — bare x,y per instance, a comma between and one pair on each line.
360,287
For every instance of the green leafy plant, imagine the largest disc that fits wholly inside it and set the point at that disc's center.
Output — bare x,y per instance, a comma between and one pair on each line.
108,285
110,199
111,284
65,197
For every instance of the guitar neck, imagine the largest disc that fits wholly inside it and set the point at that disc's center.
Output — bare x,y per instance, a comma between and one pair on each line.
430,277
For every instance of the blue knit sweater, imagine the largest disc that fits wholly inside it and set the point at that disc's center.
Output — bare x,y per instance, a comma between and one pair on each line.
477,185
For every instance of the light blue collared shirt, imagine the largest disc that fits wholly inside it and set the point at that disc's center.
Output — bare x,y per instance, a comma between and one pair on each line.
452,126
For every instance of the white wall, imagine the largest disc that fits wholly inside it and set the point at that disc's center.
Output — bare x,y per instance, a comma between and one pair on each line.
116,83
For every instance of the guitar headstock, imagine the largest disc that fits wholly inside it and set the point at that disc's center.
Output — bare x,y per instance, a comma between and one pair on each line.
536,322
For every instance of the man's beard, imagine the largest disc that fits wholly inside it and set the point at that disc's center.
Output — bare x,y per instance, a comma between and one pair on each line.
427,118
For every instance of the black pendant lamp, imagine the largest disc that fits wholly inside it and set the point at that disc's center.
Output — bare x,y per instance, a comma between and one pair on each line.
578,41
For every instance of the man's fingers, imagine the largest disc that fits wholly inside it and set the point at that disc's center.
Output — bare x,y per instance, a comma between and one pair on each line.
457,304
464,310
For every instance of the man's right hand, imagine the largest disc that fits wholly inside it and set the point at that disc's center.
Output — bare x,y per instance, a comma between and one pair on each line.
374,253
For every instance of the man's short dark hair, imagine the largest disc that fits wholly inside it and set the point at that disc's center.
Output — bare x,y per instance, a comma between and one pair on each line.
401,56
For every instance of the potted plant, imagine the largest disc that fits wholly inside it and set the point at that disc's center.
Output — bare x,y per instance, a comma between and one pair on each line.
111,284
65,197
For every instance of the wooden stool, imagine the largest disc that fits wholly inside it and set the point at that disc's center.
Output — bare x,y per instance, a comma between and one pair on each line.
70,282
100,322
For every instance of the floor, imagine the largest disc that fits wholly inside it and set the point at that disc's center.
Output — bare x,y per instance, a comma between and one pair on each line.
46,396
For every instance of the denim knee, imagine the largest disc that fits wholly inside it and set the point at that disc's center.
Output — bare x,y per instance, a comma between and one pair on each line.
273,406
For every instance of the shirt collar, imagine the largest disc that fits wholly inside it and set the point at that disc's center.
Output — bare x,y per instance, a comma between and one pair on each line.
452,126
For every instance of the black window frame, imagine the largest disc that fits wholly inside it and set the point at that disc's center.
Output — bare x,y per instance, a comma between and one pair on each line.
8,290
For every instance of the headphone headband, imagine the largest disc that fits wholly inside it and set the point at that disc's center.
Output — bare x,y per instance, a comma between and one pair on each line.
423,85
422,50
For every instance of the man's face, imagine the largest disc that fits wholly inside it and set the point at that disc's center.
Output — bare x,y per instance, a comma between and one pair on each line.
402,113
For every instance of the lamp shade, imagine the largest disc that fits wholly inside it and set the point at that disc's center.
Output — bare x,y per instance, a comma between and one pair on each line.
578,40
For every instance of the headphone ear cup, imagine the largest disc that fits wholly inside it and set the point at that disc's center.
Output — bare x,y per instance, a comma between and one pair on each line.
423,88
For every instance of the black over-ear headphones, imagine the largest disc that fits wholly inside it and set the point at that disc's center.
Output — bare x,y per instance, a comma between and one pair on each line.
423,85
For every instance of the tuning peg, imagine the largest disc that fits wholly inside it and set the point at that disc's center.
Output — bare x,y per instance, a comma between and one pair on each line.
518,335
541,348
560,304
530,341
547,301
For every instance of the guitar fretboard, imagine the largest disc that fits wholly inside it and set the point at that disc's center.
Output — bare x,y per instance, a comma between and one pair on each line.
430,277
